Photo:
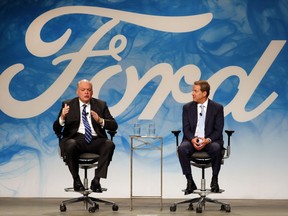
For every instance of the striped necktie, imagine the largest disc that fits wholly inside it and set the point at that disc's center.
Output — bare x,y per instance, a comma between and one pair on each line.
201,128
88,133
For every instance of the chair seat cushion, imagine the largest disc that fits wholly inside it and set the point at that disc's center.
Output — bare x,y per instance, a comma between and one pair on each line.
88,158
201,157
201,154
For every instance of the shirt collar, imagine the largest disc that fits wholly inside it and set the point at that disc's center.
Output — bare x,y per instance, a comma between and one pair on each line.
205,104
81,103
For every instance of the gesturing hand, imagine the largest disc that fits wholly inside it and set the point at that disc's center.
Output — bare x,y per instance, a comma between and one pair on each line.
96,117
65,111
199,143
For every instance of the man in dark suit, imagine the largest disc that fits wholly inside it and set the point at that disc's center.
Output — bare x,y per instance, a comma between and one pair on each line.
210,140
71,123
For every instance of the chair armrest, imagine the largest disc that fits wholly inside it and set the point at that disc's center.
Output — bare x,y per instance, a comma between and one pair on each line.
176,134
112,134
228,148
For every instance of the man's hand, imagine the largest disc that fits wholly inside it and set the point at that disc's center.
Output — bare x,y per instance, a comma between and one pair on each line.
65,111
199,143
96,117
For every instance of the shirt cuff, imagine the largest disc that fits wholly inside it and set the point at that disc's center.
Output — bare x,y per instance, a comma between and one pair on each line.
102,123
61,122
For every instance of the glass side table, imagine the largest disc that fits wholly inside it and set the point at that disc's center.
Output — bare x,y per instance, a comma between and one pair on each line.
146,143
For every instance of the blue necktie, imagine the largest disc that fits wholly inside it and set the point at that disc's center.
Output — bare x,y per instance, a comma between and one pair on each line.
88,133
201,128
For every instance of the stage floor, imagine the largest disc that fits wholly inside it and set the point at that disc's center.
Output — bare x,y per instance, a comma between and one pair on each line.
141,207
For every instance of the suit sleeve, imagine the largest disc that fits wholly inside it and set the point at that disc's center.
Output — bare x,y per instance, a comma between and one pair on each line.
56,125
217,132
215,123
189,133
101,108
110,122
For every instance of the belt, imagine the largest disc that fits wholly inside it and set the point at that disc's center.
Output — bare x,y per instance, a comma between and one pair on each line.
93,137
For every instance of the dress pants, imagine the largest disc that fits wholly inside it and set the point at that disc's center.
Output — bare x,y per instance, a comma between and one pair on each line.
186,149
72,148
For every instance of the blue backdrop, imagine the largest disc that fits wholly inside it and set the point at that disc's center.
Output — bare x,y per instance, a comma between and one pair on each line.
142,57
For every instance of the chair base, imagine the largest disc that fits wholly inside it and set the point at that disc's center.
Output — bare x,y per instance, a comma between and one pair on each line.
92,201
201,201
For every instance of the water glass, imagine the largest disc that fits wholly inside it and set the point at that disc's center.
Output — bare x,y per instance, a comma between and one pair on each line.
137,129
151,129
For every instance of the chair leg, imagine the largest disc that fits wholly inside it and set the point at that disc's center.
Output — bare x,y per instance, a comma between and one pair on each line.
73,200
200,204
190,201
194,200
201,201
102,200
224,206
92,201
115,207
88,200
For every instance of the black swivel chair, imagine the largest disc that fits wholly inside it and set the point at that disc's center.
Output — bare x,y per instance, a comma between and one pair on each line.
88,161
202,160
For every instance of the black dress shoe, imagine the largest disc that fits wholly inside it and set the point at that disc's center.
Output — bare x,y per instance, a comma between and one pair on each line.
96,186
191,186
214,185
77,185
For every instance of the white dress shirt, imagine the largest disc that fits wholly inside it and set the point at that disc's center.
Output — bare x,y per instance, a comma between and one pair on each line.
205,104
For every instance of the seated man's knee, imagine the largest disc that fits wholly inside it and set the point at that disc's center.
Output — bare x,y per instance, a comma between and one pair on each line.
180,149
69,145
109,144
217,148
183,148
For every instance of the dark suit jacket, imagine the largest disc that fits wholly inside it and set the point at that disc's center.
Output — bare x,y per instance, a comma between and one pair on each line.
214,122
73,118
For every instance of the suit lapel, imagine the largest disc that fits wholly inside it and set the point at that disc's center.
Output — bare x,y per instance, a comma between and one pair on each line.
75,109
95,108
208,111
193,113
